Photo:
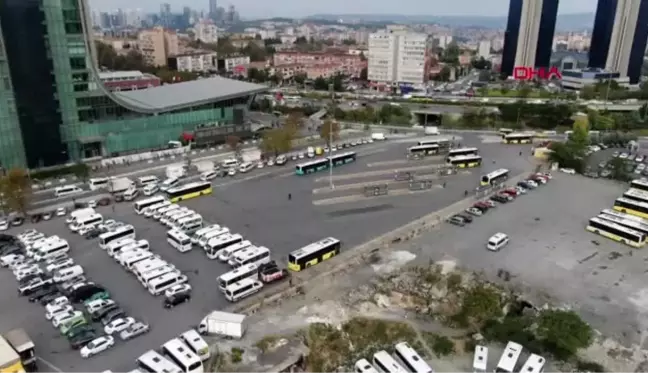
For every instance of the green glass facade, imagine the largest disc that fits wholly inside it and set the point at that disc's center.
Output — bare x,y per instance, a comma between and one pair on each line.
80,119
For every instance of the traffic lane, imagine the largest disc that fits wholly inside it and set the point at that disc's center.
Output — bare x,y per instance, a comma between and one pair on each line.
551,255
128,292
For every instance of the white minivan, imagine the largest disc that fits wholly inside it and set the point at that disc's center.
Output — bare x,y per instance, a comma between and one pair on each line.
150,189
245,167
169,183
131,194
65,274
497,241
208,175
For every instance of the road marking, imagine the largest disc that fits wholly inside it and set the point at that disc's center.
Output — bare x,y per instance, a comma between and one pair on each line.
390,181
362,197
406,161
50,365
377,173
251,177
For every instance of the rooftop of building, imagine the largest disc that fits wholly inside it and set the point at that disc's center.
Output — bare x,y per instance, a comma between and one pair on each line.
125,75
194,53
198,92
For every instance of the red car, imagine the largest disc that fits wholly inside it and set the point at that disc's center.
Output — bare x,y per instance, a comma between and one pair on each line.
511,191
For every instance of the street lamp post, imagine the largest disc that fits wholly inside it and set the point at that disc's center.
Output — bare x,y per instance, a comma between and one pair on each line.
332,91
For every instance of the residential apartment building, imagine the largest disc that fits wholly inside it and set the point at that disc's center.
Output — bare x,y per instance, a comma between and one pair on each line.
126,80
397,58
157,44
236,64
319,64
193,62
206,32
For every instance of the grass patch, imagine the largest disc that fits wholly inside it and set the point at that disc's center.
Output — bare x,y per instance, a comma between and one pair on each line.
439,344
266,342
236,355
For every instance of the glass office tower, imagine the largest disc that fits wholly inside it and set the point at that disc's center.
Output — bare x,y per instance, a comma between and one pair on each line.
511,37
546,32
602,32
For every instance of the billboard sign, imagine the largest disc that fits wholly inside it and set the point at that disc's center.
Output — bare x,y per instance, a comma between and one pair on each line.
532,73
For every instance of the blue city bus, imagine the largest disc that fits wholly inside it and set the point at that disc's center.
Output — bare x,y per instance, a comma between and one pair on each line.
323,164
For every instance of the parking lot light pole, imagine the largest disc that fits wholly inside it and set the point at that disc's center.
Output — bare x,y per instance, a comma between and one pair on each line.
332,91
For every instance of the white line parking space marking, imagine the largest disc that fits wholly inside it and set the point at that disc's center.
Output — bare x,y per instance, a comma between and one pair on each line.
49,365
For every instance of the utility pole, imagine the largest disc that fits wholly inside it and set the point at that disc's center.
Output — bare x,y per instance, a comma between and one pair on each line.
332,92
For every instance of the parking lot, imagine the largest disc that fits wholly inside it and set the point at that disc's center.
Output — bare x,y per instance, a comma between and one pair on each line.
552,258
255,206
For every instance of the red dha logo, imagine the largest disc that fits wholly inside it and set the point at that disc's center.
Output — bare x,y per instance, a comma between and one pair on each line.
530,73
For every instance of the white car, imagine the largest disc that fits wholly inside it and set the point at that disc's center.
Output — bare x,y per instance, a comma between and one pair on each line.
271,162
61,263
260,164
532,183
27,233
624,156
32,270
97,346
8,260
521,190
98,304
4,225
175,289
231,171
53,311
118,325
570,171
57,302
92,203
474,211
62,318
639,158
61,211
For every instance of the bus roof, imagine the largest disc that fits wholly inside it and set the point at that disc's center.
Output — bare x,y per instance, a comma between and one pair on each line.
643,182
188,186
509,357
242,283
424,146
313,247
465,157
458,150
236,272
8,355
533,364
631,201
636,193
340,155
155,199
615,226
633,224
520,134
497,172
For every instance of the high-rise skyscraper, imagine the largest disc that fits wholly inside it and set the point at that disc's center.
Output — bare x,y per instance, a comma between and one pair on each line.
213,8
529,34
620,36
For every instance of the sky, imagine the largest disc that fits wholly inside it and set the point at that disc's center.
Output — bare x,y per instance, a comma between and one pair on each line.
299,8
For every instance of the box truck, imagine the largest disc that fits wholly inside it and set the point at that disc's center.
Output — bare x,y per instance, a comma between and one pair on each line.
226,324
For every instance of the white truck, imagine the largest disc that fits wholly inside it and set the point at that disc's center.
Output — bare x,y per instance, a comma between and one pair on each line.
432,130
204,166
175,171
378,136
120,185
76,214
231,325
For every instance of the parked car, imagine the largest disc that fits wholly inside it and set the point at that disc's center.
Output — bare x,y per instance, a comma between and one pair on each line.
118,325
81,339
456,220
97,346
133,330
474,211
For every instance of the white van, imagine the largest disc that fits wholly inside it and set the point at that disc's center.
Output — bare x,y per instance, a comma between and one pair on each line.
242,289
147,265
196,344
281,160
225,254
173,221
159,284
160,213
145,180
53,249
129,245
65,274
146,277
245,167
215,245
310,151
67,190
131,194
150,189
130,260
259,256
122,256
86,222
79,213
169,183
206,176
229,163
203,231
497,241
151,210
378,136
211,234
179,241
171,214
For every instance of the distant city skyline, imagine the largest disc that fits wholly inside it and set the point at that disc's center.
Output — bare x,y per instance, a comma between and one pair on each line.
296,8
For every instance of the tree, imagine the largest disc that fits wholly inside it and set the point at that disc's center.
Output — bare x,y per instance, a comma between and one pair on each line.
234,143
277,141
256,53
294,121
17,191
330,131
444,74
618,169
563,332
81,171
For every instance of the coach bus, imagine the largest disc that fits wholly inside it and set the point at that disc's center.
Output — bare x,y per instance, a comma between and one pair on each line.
636,195
632,207
462,151
423,150
616,232
314,253
518,138
465,161
324,163
188,191
628,223
641,184
444,143
495,177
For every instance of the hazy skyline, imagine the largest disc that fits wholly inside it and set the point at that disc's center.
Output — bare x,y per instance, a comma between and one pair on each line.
297,8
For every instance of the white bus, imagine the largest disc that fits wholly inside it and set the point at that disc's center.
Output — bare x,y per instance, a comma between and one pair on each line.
126,231
363,366
227,252
179,240
480,360
182,356
51,250
86,222
462,151
67,190
157,215
212,234
137,257
131,245
171,218
495,177
151,210
386,364
196,343
159,284
411,359
139,206
203,231
176,218
234,276
153,362
147,265
242,289
509,358
147,277
534,364
258,256
215,245
97,183
188,222
145,180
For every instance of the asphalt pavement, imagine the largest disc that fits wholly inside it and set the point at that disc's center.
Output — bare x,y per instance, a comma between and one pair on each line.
256,206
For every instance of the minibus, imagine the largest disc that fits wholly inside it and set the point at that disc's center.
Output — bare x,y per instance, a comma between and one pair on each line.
242,289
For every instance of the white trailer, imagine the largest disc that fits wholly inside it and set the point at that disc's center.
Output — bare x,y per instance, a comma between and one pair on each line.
175,171
120,185
232,325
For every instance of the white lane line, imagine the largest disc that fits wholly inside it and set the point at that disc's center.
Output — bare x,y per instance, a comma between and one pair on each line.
251,177
50,365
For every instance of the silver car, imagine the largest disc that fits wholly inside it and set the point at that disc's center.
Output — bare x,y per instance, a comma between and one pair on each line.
132,331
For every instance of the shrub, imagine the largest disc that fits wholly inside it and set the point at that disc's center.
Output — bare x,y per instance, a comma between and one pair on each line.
442,346
264,343
589,366
237,355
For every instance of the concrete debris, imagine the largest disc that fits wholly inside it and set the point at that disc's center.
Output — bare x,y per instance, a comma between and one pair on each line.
393,261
